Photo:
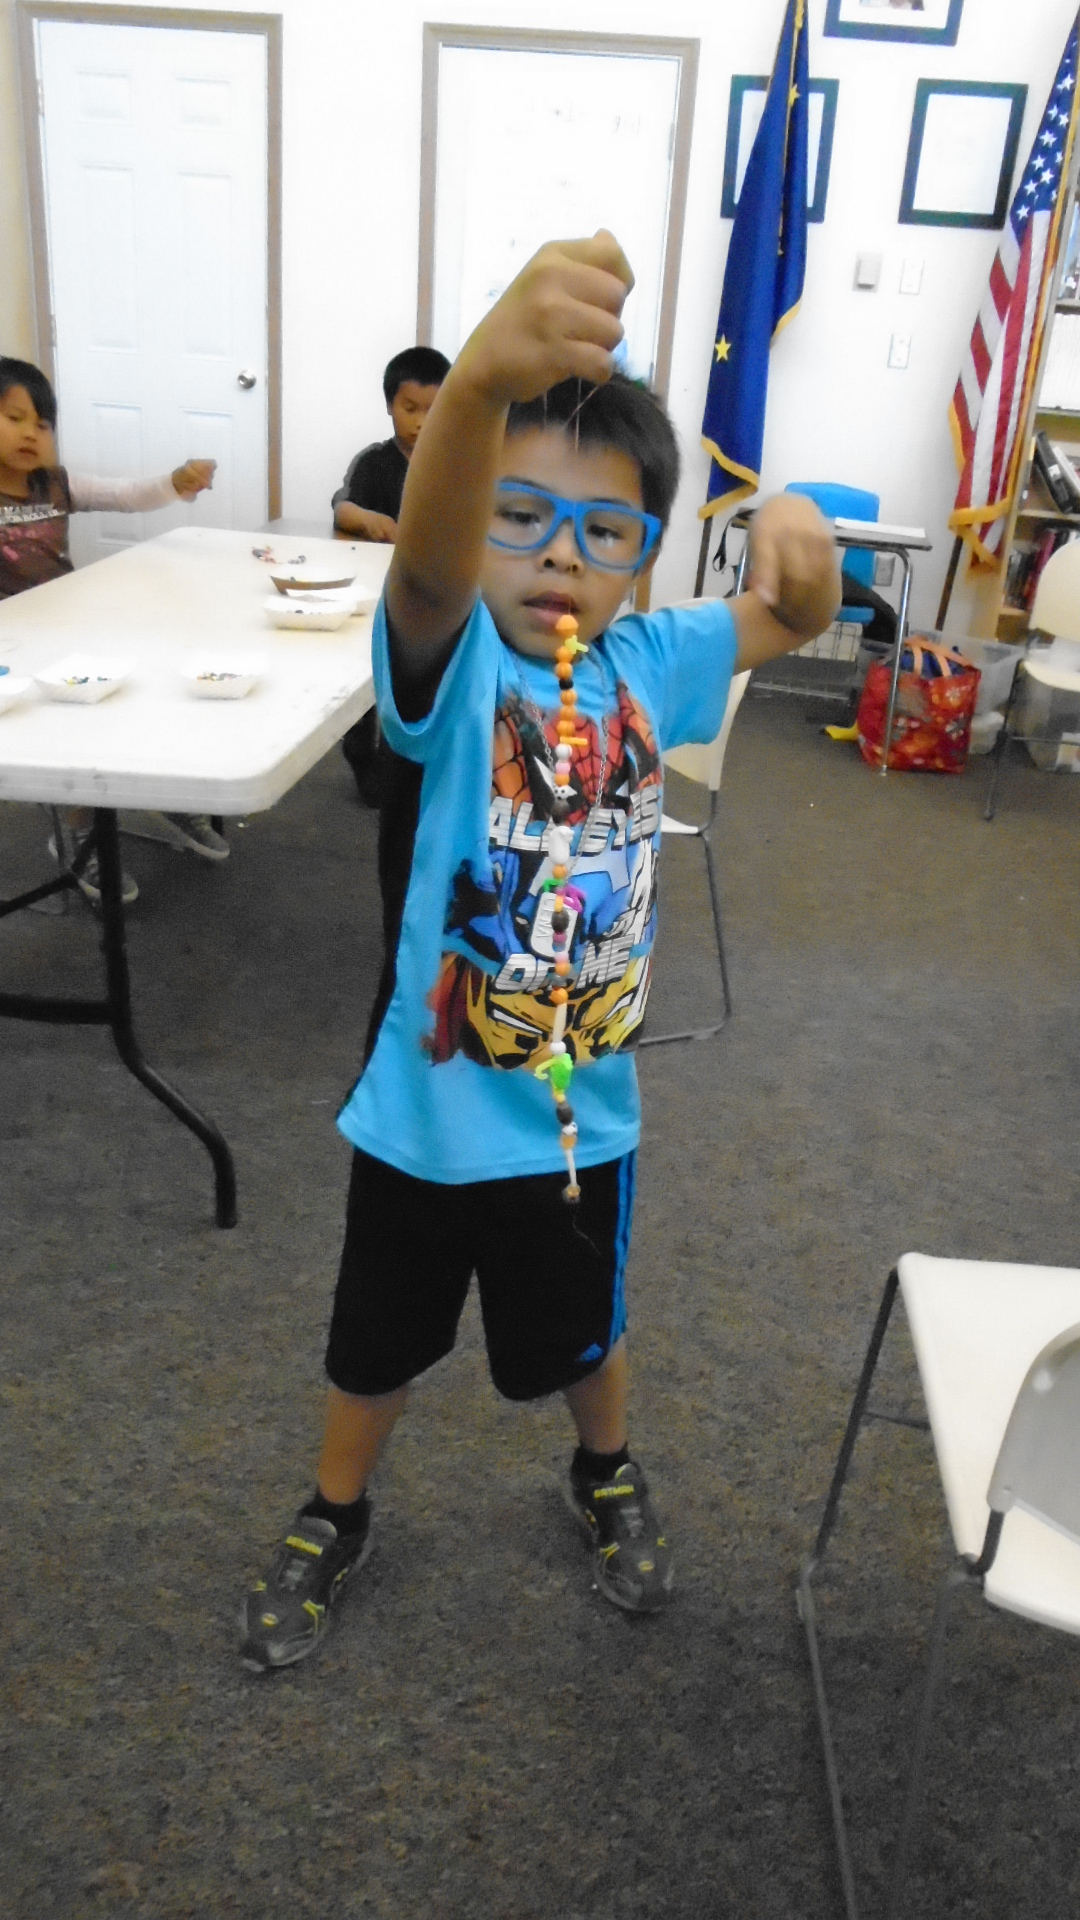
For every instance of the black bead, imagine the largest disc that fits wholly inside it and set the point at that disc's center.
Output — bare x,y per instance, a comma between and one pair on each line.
560,920
564,1113
560,809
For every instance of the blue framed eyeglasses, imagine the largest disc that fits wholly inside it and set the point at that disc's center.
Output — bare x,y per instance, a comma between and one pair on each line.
611,536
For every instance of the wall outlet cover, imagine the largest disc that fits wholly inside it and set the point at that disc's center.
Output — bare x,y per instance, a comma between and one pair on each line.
899,350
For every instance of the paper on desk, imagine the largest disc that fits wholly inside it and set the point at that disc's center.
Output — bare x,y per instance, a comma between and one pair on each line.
880,527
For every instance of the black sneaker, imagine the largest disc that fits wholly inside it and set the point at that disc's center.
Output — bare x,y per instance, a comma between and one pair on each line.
631,1562
285,1615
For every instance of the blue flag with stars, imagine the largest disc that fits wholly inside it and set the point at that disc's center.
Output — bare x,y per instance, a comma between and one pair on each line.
763,279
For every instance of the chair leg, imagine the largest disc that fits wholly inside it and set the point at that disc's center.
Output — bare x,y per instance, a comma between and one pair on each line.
957,1577
715,900
805,1594
704,1033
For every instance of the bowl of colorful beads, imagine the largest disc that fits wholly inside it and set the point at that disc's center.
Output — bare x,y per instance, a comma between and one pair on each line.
222,676
83,677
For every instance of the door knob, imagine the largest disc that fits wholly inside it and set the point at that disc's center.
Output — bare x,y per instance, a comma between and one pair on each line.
246,379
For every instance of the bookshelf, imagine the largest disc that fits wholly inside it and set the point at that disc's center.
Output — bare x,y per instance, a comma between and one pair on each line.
993,614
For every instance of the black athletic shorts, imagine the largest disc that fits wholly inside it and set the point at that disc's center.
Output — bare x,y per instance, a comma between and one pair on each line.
550,1276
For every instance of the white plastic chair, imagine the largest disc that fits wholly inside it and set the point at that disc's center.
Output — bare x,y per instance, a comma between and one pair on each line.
998,1352
704,764
1056,611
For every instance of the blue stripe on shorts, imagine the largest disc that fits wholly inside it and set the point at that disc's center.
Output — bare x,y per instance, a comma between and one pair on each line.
627,1182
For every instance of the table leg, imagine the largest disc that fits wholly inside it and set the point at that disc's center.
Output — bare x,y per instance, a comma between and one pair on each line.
901,636
118,996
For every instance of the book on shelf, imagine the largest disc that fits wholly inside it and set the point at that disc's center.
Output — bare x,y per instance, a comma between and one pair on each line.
1059,479
1026,562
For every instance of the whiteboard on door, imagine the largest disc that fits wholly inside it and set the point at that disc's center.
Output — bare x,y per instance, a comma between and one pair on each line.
154,163
536,143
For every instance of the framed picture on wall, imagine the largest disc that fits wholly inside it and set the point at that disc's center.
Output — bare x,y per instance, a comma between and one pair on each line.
745,108
961,153
935,23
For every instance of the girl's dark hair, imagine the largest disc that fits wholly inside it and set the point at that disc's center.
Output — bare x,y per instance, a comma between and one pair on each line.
20,373
620,414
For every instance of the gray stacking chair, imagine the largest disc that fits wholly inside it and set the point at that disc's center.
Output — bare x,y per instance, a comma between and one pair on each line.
704,764
998,1352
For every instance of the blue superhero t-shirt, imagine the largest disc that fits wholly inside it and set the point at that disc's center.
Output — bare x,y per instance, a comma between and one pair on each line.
447,1093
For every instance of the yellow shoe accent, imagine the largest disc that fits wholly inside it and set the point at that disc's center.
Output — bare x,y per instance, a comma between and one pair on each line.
613,1493
259,1587
606,1552
842,733
646,1566
269,1620
313,1607
303,1546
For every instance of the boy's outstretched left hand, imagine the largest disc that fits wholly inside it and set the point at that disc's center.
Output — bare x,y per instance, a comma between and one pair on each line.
193,477
794,580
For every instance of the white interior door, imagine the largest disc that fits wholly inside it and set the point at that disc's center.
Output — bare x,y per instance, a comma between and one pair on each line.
535,143
154,147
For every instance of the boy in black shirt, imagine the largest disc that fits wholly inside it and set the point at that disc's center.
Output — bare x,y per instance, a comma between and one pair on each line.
367,504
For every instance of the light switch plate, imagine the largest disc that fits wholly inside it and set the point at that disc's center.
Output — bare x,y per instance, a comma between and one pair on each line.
899,350
867,271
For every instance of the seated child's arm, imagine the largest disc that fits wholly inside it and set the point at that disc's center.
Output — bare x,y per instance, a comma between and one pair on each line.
557,320
794,581
89,494
363,523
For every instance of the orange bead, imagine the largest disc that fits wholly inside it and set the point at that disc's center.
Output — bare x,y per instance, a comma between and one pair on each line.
568,697
559,996
559,873
564,653
562,776
562,966
563,670
566,625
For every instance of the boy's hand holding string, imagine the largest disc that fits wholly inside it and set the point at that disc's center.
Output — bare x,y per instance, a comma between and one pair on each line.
558,320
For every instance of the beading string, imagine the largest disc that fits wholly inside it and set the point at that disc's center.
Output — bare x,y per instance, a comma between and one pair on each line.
557,1066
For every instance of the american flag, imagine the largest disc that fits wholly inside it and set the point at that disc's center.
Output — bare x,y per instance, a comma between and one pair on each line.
989,402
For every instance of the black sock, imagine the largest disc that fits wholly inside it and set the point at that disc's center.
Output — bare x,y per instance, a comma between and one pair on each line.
352,1518
598,1466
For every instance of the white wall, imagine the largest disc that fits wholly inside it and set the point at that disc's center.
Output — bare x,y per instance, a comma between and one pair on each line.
351,191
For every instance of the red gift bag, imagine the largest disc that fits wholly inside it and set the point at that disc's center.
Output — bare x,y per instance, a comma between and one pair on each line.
935,699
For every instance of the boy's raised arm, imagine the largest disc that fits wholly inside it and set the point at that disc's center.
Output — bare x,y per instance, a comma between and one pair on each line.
557,320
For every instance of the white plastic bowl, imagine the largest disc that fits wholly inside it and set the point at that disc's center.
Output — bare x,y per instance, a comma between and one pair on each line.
84,677
13,689
317,612
222,676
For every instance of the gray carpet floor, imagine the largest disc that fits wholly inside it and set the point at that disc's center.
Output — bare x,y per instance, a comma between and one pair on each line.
482,1735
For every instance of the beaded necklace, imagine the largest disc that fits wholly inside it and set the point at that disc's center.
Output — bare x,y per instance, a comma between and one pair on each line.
557,1067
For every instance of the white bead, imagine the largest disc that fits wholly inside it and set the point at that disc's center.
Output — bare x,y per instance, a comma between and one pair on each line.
564,753
560,840
559,1027
557,1046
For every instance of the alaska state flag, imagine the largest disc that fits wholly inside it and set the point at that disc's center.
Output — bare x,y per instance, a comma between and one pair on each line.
763,279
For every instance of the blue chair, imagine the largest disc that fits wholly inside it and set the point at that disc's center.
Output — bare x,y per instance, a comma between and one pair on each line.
846,503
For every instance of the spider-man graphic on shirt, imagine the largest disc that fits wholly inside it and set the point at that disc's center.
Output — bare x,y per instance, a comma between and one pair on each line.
492,997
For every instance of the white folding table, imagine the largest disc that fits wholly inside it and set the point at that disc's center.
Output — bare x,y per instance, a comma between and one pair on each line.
152,745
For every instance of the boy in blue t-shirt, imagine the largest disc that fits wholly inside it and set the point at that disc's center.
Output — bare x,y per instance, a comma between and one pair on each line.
518,850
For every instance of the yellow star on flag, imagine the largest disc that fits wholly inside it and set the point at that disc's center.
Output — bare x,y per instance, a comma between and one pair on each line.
723,348
793,96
